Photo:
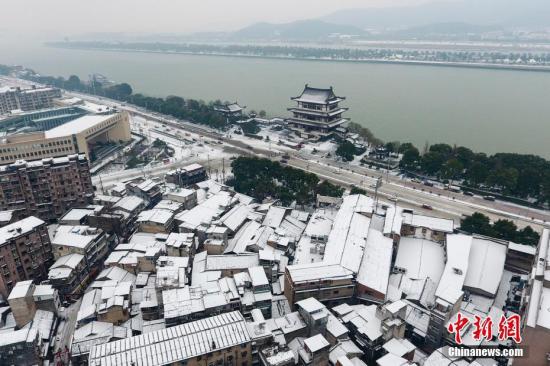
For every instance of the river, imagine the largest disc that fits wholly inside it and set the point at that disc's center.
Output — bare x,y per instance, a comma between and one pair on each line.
486,110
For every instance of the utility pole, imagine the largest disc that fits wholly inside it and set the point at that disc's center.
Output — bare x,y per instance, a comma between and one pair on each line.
377,185
223,170
101,184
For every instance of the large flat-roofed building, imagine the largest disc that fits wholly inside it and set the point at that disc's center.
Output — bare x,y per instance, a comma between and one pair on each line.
48,118
317,110
14,98
46,188
219,340
536,327
25,253
77,136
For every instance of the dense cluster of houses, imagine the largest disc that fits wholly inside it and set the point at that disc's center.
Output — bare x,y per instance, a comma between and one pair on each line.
189,272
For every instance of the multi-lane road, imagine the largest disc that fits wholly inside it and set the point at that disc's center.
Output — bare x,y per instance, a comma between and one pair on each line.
408,194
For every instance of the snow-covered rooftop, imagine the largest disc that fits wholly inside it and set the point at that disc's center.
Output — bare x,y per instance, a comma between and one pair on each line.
375,268
78,236
257,276
156,215
429,222
420,258
174,344
317,271
205,212
77,126
316,343
21,227
347,239
454,274
486,265
129,203
236,217
274,217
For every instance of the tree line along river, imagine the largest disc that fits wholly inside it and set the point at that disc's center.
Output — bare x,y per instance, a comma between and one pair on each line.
486,110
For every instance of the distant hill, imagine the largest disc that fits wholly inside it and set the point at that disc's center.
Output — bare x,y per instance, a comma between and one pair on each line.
534,13
298,30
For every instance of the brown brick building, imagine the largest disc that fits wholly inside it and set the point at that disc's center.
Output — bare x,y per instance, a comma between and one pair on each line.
46,188
25,253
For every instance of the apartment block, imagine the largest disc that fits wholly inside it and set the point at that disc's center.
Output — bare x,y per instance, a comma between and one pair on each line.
47,188
27,99
25,253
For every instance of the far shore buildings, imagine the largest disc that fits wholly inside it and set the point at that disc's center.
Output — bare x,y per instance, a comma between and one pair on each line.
317,113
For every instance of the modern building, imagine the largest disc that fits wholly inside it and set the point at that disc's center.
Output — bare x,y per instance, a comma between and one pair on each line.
187,175
219,340
25,253
317,110
77,136
46,188
48,118
15,98
42,119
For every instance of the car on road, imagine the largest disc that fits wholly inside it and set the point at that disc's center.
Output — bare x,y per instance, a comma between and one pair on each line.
466,193
427,207
489,198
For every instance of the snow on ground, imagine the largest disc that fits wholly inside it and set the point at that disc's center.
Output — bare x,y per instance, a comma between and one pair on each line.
183,145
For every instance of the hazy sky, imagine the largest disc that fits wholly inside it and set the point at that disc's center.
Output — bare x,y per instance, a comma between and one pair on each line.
70,17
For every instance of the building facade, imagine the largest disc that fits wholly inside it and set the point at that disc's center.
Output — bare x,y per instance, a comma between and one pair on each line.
25,253
187,175
27,99
77,136
46,189
331,284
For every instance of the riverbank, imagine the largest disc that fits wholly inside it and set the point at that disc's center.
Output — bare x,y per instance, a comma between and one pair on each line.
469,65
485,110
